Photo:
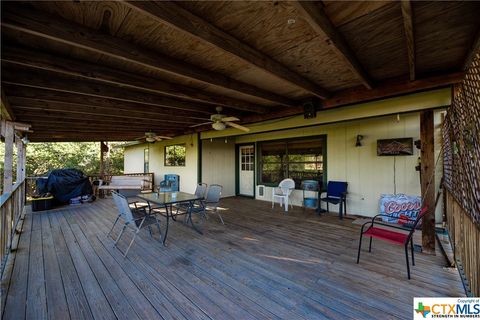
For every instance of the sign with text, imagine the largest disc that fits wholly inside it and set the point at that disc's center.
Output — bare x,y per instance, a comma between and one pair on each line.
400,208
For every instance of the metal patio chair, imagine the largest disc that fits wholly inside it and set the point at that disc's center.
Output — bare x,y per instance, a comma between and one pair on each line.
138,218
200,191
283,192
391,236
336,194
210,203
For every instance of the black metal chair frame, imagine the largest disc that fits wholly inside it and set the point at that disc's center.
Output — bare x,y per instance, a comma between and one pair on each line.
407,242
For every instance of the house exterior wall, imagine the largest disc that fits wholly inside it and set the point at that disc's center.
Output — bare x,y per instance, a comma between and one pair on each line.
188,174
367,174
218,164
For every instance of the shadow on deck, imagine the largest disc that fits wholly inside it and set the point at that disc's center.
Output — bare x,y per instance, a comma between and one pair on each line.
261,264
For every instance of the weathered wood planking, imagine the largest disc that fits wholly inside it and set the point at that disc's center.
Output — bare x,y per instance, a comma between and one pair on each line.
260,265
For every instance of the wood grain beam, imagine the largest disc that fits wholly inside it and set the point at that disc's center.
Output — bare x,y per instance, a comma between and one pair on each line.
76,86
32,116
167,12
319,21
68,101
55,28
73,67
409,35
6,111
27,104
391,88
427,177
474,49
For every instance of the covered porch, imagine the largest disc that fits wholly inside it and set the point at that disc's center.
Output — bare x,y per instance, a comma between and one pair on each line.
262,264
243,94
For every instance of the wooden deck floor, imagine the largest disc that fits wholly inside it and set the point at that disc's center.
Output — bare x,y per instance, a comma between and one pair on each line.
261,264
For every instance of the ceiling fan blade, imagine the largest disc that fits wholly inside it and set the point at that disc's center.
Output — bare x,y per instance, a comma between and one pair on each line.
230,119
160,138
200,124
237,126
143,137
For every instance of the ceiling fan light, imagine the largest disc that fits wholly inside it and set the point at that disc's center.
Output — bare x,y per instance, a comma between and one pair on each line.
218,125
150,139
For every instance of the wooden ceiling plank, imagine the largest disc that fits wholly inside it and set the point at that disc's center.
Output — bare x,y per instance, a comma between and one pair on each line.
47,26
97,72
322,25
170,13
391,88
6,112
41,81
40,97
475,48
407,15
20,103
27,114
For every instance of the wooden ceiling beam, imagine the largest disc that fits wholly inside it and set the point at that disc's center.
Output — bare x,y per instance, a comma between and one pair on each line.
40,97
76,86
172,14
72,67
44,25
321,24
26,104
391,88
6,112
31,116
409,35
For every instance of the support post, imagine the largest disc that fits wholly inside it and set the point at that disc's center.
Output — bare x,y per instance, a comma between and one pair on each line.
8,164
20,160
102,164
428,180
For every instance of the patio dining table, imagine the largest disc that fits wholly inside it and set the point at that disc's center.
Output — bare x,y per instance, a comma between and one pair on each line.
167,200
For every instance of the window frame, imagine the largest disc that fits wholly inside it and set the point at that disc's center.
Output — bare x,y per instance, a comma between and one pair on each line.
286,163
175,164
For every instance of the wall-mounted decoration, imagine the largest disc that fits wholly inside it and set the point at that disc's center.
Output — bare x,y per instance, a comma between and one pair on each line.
395,147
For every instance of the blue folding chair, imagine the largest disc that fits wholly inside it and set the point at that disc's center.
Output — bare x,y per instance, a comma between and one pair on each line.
337,194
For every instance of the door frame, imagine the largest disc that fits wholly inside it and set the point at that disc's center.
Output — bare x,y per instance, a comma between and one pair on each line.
237,168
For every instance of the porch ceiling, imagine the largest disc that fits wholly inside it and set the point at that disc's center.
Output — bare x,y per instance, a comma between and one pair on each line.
89,71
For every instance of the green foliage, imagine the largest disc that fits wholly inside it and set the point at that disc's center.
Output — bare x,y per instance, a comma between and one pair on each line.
85,156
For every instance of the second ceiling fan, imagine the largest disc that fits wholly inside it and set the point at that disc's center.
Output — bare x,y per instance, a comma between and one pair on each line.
220,121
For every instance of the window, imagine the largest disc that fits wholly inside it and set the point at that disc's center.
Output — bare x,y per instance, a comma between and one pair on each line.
146,160
248,156
299,159
175,155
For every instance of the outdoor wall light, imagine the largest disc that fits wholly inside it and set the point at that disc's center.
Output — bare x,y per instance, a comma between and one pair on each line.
359,140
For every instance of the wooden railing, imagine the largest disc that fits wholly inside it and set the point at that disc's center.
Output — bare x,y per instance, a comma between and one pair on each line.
11,209
465,239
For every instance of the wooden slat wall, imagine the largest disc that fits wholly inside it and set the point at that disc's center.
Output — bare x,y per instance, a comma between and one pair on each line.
461,135
465,236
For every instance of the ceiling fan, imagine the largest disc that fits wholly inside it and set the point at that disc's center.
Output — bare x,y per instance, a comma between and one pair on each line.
220,121
152,137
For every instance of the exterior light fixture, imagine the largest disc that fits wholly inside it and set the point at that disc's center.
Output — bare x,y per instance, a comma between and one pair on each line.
359,140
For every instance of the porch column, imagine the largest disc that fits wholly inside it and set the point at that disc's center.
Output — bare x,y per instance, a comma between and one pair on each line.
8,133
428,180
20,159
102,164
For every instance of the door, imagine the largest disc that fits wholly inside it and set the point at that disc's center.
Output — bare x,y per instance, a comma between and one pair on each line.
246,170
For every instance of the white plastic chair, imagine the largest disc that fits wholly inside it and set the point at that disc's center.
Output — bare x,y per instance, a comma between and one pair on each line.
282,192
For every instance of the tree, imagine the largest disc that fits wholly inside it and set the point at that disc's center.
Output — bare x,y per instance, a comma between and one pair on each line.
85,156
